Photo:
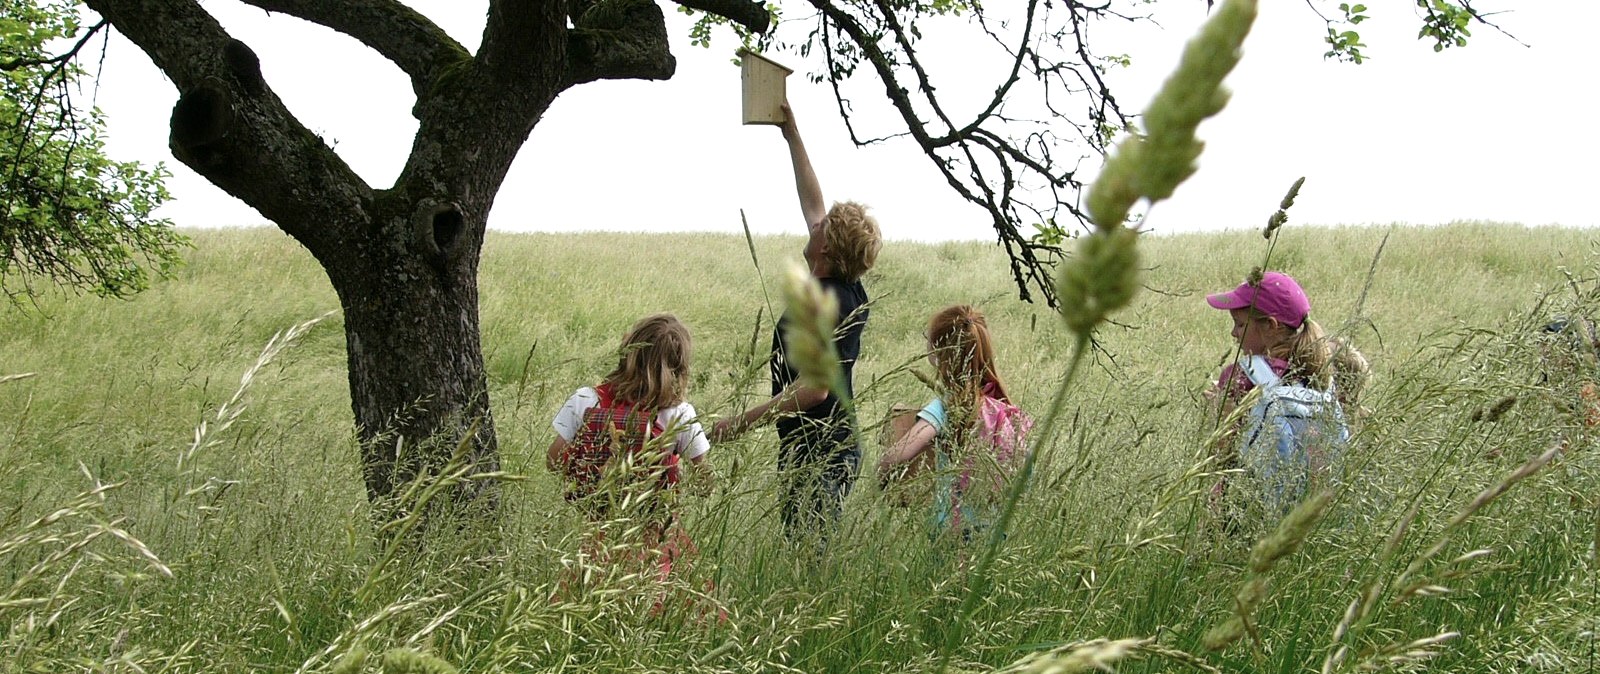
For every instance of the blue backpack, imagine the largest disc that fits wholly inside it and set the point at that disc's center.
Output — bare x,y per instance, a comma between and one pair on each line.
1293,440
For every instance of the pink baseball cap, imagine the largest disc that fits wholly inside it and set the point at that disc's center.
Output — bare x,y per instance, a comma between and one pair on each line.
1277,296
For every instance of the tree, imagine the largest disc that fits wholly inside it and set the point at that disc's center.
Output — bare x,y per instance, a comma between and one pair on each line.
404,259
70,214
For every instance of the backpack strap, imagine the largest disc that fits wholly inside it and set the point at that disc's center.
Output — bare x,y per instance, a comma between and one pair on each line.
1259,371
603,392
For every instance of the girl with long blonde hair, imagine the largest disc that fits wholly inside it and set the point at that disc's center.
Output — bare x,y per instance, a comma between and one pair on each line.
622,441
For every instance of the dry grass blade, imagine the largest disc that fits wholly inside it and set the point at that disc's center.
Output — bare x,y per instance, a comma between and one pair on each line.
1101,655
229,411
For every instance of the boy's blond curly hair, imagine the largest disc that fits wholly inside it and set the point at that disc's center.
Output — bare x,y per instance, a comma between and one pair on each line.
853,239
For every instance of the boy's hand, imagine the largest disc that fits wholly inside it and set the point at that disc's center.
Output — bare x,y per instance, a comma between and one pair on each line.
789,128
725,429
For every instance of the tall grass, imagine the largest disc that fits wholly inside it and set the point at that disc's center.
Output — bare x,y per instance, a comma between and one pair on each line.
1459,544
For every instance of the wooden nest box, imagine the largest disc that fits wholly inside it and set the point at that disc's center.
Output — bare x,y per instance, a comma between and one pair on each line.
764,92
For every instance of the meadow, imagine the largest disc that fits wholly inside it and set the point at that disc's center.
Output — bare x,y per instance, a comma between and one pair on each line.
163,515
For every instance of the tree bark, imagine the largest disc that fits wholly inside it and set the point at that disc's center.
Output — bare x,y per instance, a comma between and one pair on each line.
417,384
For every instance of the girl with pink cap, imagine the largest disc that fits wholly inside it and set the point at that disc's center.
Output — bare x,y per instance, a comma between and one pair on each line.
1294,433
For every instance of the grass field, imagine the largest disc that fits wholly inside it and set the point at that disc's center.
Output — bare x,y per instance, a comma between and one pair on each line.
130,443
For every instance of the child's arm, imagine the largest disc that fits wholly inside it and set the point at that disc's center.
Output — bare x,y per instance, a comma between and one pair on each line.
812,206
909,446
701,478
796,398
566,424
691,443
552,456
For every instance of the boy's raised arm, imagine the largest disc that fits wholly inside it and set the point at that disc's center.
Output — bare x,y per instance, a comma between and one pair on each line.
812,205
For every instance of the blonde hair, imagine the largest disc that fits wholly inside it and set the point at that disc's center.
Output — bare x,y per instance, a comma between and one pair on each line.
958,336
1306,350
653,363
1350,370
853,239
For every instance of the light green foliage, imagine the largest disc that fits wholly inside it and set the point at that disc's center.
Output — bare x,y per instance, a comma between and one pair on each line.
1446,23
1112,548
70,214
1048,234
1346,45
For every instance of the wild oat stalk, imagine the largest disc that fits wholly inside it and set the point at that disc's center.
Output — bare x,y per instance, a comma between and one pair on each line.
349,642
1479,502
1103,274
1100,655
229,411
44,557
1363,606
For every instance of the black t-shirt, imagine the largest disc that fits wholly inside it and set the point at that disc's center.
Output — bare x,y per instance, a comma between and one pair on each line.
826,421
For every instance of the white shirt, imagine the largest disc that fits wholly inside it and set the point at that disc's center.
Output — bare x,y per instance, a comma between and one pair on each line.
689,438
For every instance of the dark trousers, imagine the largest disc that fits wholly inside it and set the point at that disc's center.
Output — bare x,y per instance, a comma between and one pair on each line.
815,477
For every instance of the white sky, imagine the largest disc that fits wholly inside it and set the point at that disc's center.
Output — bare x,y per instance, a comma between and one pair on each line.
1496,131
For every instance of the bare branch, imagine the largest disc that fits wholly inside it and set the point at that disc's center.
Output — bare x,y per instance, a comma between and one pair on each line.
407,38
1006,165
1483,18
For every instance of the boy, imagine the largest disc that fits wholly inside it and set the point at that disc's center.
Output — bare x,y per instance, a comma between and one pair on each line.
818,450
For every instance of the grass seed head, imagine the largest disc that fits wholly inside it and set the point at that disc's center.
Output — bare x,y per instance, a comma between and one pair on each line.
1290,532
1102,276
410,661
352,662
1281,216
1096,655
813,314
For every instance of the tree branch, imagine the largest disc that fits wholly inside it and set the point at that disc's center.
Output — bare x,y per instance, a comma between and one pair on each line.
1026,269
58,61
752,15
407,38
512,28
619,39
1005,165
